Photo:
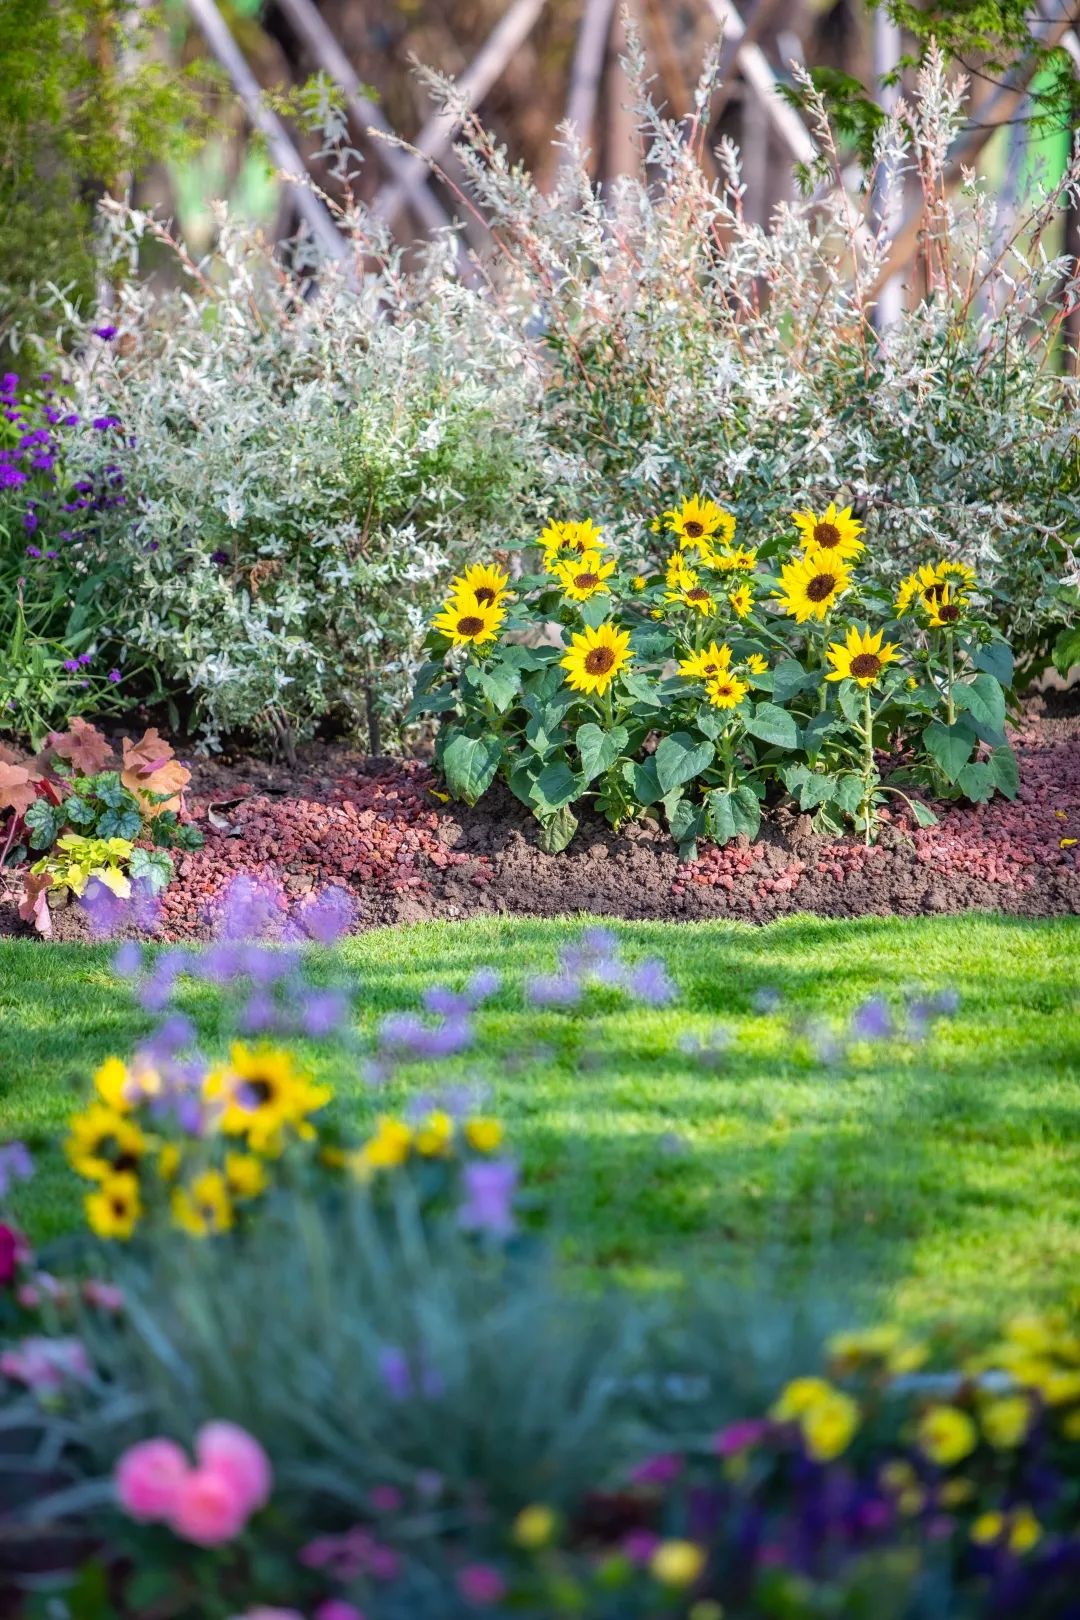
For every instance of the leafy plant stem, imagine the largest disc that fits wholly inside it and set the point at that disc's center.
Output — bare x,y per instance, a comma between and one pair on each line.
868,762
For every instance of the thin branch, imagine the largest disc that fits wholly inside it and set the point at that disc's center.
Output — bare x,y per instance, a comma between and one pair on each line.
588,66
760,78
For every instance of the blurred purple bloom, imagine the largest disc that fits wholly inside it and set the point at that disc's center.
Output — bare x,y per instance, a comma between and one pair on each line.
552,990
765,1000
394,1370
30,520
114,674
128,960
481,1584
738,1436
639,1545
86,658
171,1036
71,665
106,911
659,1470
15,1165
322,1012
488,1204
484,982
10,382
650,983
404,1035
33,551
872,1021
328,917
101,423
45,1365
438,999
105,333
259,1014
145,906
248,908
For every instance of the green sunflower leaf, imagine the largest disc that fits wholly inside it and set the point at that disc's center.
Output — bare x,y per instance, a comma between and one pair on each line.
680,758
771,724
983,699
599,749
949,746
557,830
731,812
469,764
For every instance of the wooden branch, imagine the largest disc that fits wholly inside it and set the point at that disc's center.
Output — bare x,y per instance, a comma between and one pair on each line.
759,77
437,135
757,20
312,210
997,110
313,30
587,67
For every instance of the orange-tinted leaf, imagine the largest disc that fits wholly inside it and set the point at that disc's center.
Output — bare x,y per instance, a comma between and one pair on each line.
83,745
17,791
150,769
34,904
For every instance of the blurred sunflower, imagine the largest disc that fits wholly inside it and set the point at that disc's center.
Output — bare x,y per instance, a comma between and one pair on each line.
584,576
481,583
570,536
742,601
260,1094
696,596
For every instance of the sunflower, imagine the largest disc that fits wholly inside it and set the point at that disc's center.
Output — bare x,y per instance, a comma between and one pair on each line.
757,665
260,1095
388,1148
702,666
736,560
812,585
693,596
103,1143
946,608
862,658
583,576
481,583
726,691
833,532
678,574
906,594
961,574
468,623
245,1174
205,1206
114,1210
742,601
570,536
435,1135
931,584
596,657
696,522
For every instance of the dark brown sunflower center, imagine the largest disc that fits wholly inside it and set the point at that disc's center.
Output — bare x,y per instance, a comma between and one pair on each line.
598,660
723,689
470,625
693,530
484,595
585,582
698,594
712,669
864,666
821,587
826,535
934,592
126,1161
949,613
257,1092
118,1204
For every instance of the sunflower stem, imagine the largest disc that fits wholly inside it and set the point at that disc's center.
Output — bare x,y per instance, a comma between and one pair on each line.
951,659
868,762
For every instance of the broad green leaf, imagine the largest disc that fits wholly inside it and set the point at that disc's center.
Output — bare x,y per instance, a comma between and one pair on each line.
923,813
679,758
852,702
811,788
1005,771
997,660
599,749
732,811
983,699
595,610
976,781
949,746
557,830
1067,650
687,823
850,792
790,678
641,778
555,786
642,690
816,730
772,724
501,684
469,764
431,703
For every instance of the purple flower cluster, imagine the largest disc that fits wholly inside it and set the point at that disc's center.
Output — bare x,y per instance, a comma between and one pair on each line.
44,426
596,957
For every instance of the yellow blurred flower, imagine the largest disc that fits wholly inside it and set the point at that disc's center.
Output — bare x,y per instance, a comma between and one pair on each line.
535,1526
387,1148
484,1134
757,665
434,1135
570,536
704,665
104,1143
698,521
797,1397
677,1563
114,1210
260,1094
742,601
203,1207
946,1435
246,1175
639,582
828,1425
1006,1421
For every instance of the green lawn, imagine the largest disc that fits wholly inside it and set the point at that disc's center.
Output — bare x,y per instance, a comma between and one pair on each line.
946,1176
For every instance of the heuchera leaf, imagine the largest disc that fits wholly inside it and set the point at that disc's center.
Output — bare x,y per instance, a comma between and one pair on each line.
83,746
153,773
17,791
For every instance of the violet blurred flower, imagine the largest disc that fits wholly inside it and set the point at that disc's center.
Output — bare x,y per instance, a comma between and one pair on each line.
71,665
872,1021
447,1003
46,1365
739,1436
659,1470
145,906
328,917
105,911
113,676
248,908
322,1012
650,983
16,1164
488,1204
403,1035
128,959
639,1545
766,1000
552,990
481,1584
259,1014
484,982
174,1034
105,333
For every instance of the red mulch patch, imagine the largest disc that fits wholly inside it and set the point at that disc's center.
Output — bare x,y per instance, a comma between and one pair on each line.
378,827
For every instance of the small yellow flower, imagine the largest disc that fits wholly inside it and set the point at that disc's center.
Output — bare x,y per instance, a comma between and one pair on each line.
742,601
1070,1425
705,1609
260,1094
654,525
737,559
596,657
1025,1531
696,522
1006,1421
104,1143
702,666
435,1135
911,1501
114,1210
639,582
169,1161
466,624
987,1528
535,1526
481,583
725,691
898,1475
677,1563
678,574
828,1425
696,597
946,611
484,1134
570,536
246,1175
388,1148
111,1081
583,576
861,658
757,665
955,1492
797,1397
205,1206
832,533
946,1435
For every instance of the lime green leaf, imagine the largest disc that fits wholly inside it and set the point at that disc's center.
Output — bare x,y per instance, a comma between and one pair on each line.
949,746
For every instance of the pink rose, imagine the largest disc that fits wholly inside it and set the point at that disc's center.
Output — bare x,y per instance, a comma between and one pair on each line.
208,1509
234,1455
148,1478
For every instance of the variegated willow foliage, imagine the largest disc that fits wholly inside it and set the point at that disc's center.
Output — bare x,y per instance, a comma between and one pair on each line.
705,681
312,450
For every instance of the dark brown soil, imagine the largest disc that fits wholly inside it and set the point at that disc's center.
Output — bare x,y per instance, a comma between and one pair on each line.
382,828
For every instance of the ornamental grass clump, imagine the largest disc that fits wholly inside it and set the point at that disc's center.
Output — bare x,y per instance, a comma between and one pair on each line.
698,683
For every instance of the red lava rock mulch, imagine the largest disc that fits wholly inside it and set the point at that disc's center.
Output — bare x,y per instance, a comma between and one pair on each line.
377,827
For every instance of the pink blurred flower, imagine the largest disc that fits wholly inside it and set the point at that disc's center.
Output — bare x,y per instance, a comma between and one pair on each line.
104,1296
386,1498
639,1545
148,1478
658,1470
337,1609
739,1436
263,1613
480,1583
208,1510
45,1365
10,1253
226,1450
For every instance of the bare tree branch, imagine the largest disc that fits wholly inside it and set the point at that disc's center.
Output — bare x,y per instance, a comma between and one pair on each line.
759,77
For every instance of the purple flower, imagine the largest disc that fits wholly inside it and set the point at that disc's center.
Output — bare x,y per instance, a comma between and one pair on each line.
219,557
552,990
481,1584
488,1204
328,917
128,960
659,1470
171,1037
10,383
485,982
765,1000
259,1014
15,1165
872,1021
105,333
739,1436
650,983
45,1365
11,477
30,520
322,1012
114,676
86,658
33,551
71,665
101,424
104,909
447,1003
